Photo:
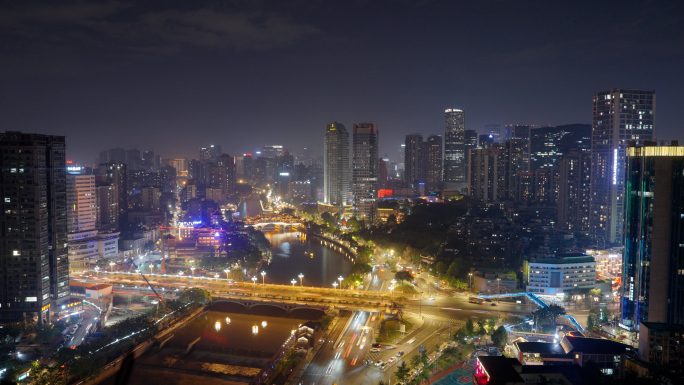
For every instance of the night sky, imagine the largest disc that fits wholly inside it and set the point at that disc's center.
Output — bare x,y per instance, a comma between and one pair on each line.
175,76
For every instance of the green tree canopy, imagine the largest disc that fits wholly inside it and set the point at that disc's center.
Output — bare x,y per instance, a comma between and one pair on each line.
403,276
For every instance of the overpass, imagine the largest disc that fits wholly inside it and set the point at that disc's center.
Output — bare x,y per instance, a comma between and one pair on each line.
539,301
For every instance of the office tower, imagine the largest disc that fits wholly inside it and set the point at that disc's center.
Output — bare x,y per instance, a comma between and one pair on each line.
382,173
494,130
653,267
265,170
34,264
549,144
619,116
455,175
574,191
117,174
336,165
365,171
413,159
470,140
193,169
432,159
484,140
209,154
107,207
401,165
272,151
286,161
484,182
81,202
181,166
513,152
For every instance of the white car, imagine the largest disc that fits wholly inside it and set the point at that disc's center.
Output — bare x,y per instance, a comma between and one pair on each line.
391,360
375,350
379,363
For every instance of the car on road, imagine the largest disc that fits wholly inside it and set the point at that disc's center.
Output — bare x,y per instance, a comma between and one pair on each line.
391,360
379,362
495,304
431,298
401,353
376,345
375,350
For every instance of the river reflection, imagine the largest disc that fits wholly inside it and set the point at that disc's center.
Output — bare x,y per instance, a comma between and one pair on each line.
294,253
249,334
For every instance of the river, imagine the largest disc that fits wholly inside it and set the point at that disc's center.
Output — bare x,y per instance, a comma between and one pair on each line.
294,253
291,256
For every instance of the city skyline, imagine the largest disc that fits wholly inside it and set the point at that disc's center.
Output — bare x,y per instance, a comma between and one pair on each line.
94,81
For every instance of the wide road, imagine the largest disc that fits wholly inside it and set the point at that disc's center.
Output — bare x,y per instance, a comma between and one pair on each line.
86,323
334,363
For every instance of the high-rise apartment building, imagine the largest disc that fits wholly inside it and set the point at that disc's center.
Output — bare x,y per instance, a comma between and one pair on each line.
34,265
653,263
620,115
486,170
413,159
336,165
107,207
432,159
365,171
81,202
455,170
513,151
272,151
117,174
574,191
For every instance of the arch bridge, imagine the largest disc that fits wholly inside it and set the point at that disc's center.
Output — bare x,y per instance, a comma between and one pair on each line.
274,222
252,302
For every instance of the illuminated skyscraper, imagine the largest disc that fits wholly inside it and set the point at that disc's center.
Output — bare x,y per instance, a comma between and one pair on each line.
336,165
619,116
653,263
455,171
365,171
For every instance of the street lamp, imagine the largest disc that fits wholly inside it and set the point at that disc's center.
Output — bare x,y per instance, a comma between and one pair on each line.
97,270
254,280
111,266
151,267
293,282
340,279
391,289
263,276
335,285
216,276
226,271
471,280
180,273
301,277
192,269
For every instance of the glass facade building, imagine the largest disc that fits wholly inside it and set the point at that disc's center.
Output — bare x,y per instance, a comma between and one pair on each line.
653,262
455,170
